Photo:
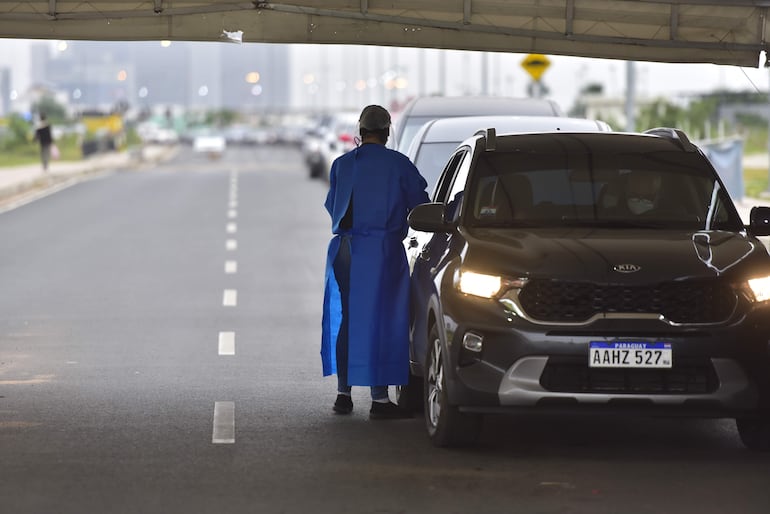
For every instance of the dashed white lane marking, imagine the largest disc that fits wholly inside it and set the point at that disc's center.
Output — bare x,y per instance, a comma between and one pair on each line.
231,267
233,204
224,423
231,244
230,298
227,343
232,214
232,228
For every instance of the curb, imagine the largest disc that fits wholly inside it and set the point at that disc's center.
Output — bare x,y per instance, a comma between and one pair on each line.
38,183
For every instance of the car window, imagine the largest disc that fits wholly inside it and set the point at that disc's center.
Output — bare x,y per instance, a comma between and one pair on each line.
445,182
644,190
461,177
430,160
409,128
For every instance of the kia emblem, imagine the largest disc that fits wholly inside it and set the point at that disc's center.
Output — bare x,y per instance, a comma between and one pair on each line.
626,268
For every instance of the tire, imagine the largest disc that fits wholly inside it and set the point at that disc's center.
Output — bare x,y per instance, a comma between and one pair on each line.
755,433
315,171
446,425
409,396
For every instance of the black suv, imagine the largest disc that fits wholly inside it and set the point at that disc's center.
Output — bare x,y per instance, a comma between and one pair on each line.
600,270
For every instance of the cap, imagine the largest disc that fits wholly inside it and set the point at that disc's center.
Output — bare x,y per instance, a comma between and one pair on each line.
374,117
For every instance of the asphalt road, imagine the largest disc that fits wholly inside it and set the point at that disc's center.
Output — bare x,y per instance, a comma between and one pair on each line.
159,339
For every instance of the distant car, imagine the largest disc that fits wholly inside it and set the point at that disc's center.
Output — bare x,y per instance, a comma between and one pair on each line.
423,109
210,142
592,272
311,145
239,134
340,138
333,135
154,134
435,141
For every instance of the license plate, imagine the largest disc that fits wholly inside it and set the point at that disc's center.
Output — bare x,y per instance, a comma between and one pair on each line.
629,354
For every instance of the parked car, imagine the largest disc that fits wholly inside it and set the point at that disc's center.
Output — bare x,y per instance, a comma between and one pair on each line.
423,109
597,271
210,142
435,141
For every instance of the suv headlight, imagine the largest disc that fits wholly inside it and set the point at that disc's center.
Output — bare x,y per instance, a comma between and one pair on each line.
759,289
485,285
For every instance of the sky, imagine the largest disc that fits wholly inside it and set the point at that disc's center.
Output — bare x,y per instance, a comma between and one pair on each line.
564,77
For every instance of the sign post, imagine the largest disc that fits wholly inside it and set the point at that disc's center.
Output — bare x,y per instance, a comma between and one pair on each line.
535,65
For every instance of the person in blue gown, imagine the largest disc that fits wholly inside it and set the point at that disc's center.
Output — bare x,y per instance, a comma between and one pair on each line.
365,337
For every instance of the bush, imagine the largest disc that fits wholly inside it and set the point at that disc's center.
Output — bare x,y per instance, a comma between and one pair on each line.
17,134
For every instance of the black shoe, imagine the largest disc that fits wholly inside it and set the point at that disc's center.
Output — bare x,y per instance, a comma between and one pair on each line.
343,404
388,411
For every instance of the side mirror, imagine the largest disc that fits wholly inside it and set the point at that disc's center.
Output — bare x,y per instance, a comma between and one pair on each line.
429,217
759,221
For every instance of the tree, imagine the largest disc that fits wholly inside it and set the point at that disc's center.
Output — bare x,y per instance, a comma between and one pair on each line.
55,112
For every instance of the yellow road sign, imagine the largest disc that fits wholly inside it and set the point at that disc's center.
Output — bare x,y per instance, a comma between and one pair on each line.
535,65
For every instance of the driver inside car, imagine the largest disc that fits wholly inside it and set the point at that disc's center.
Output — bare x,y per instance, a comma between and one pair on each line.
642,191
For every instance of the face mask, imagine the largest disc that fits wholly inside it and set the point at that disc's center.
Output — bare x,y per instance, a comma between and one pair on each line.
639,205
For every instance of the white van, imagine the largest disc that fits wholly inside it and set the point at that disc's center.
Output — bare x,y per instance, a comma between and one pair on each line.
426,108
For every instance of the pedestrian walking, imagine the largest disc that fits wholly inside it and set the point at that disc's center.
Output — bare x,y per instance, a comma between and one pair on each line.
44,137
366,299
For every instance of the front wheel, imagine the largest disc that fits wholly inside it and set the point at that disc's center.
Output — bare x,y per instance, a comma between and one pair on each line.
446,425
755,433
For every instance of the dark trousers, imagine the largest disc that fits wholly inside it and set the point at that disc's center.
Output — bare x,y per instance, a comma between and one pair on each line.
342,273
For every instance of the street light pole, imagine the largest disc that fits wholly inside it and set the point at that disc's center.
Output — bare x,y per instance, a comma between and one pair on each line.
630,97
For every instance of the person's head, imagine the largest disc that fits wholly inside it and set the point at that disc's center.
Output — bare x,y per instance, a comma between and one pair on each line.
642,188
43,117
374,123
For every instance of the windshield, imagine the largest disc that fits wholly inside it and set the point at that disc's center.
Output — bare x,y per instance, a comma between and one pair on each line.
431,159
411,125
631,190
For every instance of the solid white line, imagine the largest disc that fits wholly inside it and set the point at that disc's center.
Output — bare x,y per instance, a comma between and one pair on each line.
231,244
231,267
230,298
227,343
232,213
232,228
224,423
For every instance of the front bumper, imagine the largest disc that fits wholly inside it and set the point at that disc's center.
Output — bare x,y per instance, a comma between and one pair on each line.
717,370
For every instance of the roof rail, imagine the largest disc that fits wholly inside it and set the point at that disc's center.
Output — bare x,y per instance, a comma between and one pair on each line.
674,134
490,135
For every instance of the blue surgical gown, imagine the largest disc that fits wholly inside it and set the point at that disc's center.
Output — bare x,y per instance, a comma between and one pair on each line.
384,186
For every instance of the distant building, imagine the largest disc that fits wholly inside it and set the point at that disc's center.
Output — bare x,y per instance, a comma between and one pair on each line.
150,75
609,109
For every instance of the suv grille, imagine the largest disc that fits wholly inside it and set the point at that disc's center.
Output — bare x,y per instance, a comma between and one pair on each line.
680,302
573,375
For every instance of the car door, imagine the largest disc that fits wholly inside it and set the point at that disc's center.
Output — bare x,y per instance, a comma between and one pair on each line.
426,249
416,241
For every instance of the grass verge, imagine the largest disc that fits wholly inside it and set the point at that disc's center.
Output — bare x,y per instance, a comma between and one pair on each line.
755,181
